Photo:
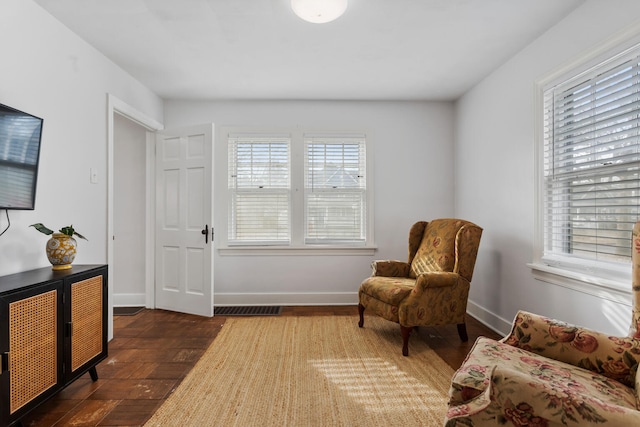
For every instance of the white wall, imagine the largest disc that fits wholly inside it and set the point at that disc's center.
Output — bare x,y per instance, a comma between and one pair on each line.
495,174
412,145
49,72
129,212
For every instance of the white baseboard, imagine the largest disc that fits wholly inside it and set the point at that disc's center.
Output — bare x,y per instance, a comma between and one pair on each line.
318,298
484,316
129,300
489,319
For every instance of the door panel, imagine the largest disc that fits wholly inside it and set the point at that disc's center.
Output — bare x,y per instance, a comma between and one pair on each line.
184,255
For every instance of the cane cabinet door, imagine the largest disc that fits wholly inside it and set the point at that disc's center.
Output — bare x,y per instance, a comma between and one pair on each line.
86,328
31,348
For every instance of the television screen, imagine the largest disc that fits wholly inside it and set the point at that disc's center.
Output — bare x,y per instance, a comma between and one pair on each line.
20,135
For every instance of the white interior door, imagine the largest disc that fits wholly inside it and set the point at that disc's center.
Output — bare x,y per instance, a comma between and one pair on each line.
184,218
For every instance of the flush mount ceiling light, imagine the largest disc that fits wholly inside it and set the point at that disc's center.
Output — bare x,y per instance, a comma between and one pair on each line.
319,11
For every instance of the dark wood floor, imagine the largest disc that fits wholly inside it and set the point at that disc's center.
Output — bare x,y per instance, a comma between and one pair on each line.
152,352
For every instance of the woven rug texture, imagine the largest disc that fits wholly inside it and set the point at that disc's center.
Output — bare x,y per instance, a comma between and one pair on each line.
310,371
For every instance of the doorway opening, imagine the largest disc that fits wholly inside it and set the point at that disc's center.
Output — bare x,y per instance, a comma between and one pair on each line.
122,114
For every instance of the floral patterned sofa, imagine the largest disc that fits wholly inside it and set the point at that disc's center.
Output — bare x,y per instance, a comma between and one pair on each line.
550,373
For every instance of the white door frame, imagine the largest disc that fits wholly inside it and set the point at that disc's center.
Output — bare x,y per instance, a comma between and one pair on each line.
117,106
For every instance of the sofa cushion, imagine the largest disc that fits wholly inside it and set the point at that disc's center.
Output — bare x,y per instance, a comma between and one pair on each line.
501,381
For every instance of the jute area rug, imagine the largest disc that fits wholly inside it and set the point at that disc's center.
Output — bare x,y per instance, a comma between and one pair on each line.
310,371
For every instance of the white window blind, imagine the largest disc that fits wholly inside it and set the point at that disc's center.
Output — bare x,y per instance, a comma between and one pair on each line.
335,190
259,185
592,164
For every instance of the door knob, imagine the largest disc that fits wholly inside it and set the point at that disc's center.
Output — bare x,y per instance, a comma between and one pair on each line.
206,233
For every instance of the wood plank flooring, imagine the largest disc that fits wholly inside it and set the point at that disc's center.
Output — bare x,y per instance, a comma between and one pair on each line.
153,350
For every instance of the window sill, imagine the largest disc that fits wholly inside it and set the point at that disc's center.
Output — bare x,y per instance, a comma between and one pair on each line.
290,250
611,290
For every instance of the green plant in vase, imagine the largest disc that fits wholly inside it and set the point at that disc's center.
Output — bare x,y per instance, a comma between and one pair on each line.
61,247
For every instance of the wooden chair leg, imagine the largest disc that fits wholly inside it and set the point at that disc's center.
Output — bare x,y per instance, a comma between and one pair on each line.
405,331
462,331
361,313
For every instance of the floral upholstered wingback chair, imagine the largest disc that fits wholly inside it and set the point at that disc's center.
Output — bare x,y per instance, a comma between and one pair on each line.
549,373
432,287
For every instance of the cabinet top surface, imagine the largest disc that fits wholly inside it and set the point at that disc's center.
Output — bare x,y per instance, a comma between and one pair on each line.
41,275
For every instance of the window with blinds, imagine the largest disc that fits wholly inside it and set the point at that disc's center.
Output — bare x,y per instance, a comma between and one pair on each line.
335,190
298,189
592,164
260,190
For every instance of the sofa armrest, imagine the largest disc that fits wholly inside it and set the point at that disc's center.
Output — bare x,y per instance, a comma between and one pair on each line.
614,357
390,268
496,378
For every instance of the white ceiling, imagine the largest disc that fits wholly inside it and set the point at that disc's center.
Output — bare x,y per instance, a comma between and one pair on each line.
258,49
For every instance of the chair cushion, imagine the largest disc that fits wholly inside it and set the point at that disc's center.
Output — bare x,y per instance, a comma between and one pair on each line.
381,295
516,383
390,290
437,250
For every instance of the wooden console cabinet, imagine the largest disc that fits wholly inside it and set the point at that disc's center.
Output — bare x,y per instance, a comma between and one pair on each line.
53,329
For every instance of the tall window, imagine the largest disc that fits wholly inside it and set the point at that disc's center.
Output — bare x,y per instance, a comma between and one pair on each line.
592,165
335,190
260,189
298,190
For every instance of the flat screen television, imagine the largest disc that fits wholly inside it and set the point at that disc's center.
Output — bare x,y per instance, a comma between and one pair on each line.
20,135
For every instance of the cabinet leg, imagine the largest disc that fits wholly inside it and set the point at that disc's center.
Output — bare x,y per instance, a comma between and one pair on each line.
94,374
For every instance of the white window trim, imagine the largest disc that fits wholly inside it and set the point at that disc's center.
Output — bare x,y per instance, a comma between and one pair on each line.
605,289
296,250
618,287
297,246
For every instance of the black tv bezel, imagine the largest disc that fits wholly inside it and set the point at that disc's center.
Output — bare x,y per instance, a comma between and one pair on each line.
35,179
